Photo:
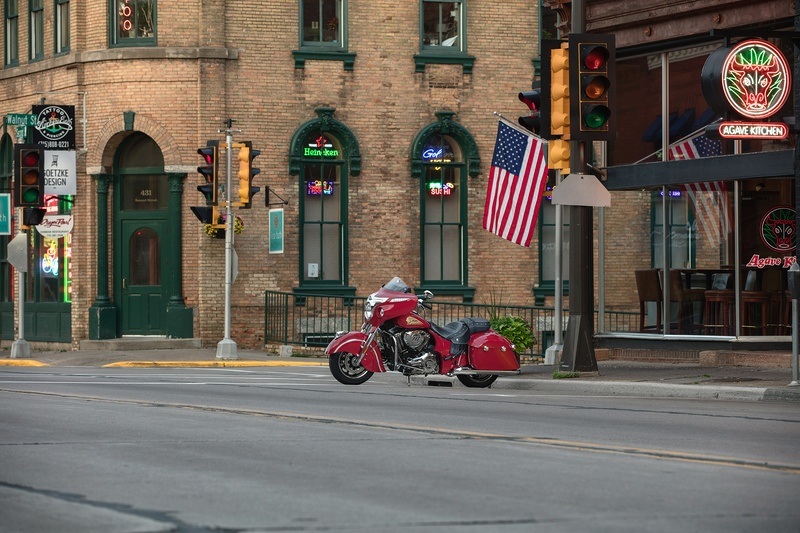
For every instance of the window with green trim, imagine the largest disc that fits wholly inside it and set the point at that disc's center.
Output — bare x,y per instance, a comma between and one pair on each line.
36,29
322,23
61,27
323,198
443,202
680,220
133,22
442,26
12,33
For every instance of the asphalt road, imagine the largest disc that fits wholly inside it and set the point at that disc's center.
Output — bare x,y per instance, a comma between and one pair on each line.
290,449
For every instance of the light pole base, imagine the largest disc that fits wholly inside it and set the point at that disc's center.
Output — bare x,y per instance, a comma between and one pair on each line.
226,349
20,348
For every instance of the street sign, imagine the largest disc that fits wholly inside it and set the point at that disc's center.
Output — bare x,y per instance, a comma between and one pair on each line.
17,252
20,119
5,214
582,189
276,231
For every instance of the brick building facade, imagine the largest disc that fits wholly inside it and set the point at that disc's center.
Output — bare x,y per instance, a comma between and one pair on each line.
161,77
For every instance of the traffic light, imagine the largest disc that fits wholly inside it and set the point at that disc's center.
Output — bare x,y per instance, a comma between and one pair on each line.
558,155
592,81
33,216
29,175
532,99
246,174
559,92
210,171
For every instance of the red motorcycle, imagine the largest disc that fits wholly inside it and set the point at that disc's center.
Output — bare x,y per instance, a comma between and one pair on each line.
395,337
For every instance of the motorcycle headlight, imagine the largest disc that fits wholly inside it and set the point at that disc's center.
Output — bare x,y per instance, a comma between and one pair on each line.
368,310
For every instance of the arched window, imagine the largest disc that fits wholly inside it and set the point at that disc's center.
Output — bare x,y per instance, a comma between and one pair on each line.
443,156
323,154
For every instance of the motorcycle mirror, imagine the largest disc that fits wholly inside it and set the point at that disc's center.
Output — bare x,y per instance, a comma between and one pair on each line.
428,295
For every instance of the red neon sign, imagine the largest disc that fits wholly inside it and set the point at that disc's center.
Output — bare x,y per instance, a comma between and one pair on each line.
751,78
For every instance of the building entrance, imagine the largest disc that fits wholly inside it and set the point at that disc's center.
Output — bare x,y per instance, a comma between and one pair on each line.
141,244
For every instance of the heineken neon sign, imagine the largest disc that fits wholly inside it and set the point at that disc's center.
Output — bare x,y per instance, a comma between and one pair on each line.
321,147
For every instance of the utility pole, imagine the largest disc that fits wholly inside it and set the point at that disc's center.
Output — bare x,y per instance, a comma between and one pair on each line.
226,348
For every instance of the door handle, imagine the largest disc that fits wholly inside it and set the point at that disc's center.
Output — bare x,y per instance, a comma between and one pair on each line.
124,284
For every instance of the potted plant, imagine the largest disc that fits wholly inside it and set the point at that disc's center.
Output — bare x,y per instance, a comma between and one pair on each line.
219,233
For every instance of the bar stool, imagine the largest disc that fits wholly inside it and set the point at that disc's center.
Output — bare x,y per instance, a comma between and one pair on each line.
720,304
648,285
752,317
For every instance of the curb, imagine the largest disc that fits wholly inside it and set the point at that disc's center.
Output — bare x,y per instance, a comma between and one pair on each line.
632,389
21,362
208,364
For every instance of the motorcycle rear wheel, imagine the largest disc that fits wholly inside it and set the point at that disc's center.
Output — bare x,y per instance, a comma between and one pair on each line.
344,369
476,380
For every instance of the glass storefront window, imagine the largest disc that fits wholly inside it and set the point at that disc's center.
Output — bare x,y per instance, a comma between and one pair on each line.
50,257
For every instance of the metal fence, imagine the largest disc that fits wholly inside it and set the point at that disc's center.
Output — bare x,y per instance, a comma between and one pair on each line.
311,321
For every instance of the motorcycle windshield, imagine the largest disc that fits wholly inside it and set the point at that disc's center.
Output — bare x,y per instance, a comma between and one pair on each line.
397,285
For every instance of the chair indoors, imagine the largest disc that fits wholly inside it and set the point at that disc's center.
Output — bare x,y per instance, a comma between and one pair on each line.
755,306
685,299
648,285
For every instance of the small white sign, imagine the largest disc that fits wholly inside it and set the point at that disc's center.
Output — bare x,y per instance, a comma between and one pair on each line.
60,172
55,226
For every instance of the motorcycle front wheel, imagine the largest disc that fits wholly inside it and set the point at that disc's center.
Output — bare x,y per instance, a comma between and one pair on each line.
344,369
476,380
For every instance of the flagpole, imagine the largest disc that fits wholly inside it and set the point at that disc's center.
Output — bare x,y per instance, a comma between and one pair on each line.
518,128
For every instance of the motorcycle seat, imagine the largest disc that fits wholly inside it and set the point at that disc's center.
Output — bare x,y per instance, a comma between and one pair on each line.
458,333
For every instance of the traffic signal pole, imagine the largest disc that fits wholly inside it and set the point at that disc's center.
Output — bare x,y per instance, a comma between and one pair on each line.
578,353
20,348
226,348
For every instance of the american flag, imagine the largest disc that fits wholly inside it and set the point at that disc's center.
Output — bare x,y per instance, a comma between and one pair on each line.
709,199
700,146
516,181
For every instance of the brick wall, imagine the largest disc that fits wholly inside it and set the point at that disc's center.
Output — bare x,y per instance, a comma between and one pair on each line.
182,90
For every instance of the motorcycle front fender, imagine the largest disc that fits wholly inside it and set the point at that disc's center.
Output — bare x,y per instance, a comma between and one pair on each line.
353,342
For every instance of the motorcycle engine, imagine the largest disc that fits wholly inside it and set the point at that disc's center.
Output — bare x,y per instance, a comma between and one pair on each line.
416,339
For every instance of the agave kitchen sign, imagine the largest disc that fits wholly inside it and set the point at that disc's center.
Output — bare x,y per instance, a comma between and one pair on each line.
752,79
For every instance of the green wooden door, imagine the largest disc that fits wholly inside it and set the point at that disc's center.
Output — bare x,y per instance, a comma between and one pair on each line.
143,277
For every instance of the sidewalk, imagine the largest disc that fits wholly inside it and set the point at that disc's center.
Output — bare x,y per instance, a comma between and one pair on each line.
614,378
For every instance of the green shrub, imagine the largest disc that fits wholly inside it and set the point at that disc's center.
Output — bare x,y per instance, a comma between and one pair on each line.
516,330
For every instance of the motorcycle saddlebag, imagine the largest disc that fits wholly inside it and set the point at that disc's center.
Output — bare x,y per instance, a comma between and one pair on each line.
491,351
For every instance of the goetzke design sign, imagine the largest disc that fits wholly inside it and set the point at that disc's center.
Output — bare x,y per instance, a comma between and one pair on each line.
751,79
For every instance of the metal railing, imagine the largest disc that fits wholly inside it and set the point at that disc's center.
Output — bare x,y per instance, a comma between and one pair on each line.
311,321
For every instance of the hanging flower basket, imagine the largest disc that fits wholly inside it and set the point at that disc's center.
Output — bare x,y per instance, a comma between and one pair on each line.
219,233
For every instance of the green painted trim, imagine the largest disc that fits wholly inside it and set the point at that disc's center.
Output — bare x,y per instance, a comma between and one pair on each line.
548,288
445,126
326,123
115,42
466,61
467,293
301,56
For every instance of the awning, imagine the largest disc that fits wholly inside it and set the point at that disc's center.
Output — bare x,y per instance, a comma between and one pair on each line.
777,164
